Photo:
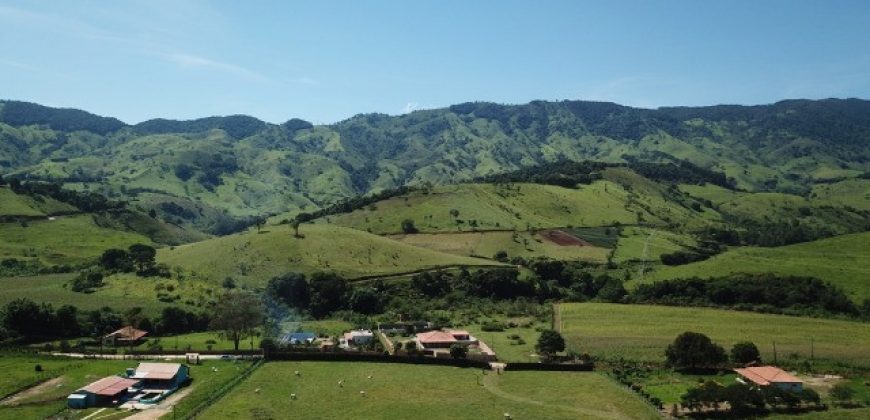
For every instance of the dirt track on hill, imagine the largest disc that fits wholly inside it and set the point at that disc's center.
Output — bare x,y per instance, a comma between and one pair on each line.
34,390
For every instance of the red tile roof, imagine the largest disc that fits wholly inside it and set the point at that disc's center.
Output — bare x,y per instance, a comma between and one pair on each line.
436,337
110,386
766,375
128,333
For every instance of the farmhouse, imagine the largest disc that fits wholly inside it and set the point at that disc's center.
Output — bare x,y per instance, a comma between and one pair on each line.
438,342
104,392
297,338
126,336
356,338
769,375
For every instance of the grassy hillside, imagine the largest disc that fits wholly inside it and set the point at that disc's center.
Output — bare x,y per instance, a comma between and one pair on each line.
247,167
12,204
253,258
402,391
646,244
516,244
643,332
851,192
842,260
64,240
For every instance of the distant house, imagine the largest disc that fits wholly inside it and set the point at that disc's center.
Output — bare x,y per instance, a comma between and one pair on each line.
160,376
356,338
770,376
443,339
126,336
297,338
104,392
405,327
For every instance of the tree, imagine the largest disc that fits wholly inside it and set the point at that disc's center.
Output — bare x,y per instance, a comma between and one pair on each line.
295,225
237,314
454,213
260,222
408,226
501,256
328,292
692,350
142,257
549,343
745,352
228,283
841,392
290,289
458,351
116,260
365,300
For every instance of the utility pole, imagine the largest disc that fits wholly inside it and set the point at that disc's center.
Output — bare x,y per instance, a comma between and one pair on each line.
812,349
774,352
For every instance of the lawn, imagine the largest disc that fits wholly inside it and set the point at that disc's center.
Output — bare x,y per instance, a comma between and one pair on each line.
404,391
506,347
252,258
642,332
843,260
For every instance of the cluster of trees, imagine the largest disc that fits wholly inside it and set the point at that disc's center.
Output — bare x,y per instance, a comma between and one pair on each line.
743,399
757,292
322,294
354,203
10,267
571,280
30,321
138,257
502,283
90,202
208,168
563,173
679,172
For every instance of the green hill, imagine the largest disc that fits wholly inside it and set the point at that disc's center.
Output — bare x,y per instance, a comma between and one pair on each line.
252,258
245,167
842,260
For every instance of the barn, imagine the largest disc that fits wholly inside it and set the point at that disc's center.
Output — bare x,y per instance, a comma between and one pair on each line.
104,392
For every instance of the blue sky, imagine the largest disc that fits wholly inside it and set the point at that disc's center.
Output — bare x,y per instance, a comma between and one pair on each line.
327,61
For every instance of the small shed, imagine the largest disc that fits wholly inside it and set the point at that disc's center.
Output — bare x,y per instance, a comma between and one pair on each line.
297,338
106,391
126,336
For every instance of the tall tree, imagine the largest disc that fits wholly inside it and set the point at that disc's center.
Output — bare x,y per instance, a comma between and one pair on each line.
692,350
142,257
237,314
549,343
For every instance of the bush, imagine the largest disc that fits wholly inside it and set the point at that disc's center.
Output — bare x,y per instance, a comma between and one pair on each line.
493,326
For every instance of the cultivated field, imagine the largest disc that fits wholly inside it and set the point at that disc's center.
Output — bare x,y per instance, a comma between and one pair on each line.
842,260
253,258
642,332
403,391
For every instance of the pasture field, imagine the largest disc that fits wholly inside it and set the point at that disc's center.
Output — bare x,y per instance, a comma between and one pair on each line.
65,240
515,207
253,258
516,244
635,240
402,391
851,192
643,332
842,260
12,204
506,347
120,292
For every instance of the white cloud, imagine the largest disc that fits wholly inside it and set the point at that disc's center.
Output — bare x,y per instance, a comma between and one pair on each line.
194,61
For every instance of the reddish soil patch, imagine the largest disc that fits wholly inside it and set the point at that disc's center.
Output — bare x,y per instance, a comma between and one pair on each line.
563,238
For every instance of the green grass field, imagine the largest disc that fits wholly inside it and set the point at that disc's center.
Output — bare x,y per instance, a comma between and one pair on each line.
12,204
521,207
851,192
120,292
65,240
842,260
646,244
642,332
403,391
516,244
253,258
507,348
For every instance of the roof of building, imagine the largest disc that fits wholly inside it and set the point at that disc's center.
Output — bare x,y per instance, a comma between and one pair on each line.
458,332
300,336
156,370
128,333
436,337
766,375
108,386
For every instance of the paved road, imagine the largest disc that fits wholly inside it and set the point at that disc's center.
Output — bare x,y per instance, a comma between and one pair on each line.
154,356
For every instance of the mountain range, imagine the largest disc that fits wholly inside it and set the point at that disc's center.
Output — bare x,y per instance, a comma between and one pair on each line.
208,173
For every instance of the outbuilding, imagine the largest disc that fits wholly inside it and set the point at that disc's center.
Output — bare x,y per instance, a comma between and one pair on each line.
108,391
